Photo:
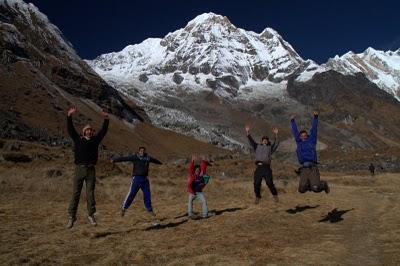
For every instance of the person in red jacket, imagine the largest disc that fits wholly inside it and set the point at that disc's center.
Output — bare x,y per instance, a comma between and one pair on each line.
197,180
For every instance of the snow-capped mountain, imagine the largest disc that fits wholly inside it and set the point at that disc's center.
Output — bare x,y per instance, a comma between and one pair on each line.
208,52
208,78
380,67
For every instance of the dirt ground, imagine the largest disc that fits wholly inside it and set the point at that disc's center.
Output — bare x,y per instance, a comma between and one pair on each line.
356,224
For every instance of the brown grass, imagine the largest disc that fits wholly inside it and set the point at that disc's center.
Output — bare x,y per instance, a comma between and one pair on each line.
33,218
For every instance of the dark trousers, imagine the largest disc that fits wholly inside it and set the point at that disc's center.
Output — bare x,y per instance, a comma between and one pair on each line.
263,171
310,180
139,182
85,174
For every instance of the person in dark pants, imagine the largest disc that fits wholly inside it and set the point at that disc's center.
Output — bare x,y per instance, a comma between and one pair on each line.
86,154
307,156
263,153
141,161
371,168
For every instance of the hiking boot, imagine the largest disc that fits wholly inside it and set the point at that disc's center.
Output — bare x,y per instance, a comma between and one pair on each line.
92,221
275,198
71,221
257,201
327,189
123,212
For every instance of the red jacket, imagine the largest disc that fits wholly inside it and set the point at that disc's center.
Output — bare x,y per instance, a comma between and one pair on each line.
192,178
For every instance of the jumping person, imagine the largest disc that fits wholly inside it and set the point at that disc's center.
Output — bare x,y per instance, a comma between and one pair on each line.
141,161
263,153
86,154
307,157
197,180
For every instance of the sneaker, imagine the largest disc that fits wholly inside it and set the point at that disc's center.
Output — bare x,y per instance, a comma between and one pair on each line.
91,220
71,221
123,212
327,189
275,198
257,201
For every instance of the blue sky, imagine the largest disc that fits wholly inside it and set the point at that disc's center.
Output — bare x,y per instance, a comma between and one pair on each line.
316,29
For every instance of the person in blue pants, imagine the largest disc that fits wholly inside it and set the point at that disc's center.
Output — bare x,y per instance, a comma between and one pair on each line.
141,161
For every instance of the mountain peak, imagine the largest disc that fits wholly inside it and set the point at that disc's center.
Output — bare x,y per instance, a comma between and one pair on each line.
207,17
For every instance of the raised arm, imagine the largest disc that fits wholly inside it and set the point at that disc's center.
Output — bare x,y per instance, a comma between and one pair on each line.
154,160
191,165
104,128
253,144
203,167
275,144
314,127
295,130
70,126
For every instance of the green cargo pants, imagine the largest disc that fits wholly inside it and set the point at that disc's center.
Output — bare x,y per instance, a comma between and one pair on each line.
87,174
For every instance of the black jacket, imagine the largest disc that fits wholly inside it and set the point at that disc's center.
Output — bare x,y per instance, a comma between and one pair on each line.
86,150
140,163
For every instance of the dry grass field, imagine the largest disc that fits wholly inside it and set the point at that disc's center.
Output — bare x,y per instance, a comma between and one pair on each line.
356,224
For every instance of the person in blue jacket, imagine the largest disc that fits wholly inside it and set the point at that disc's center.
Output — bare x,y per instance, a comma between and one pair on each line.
307,157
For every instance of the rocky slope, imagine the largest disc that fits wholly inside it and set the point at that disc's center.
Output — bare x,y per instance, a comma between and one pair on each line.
41,76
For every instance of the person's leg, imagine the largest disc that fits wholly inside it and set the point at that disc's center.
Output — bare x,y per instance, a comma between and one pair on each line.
133,189
190,204
204,206
145,186
304,184
79,177
270,182
257,183
315,181
90,186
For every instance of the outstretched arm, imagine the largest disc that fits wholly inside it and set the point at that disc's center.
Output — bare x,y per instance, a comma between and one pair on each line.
104,128
314,127
154,160
275,145
70,126
123,159
295,130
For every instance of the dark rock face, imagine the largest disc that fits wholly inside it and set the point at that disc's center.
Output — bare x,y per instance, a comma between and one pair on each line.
143,78
177,78
351,102
28,38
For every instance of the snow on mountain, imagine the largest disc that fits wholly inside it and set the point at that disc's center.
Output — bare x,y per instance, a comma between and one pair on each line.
209,52
380,67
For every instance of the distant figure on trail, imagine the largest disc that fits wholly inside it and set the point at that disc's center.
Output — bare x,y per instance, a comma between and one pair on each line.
263,155
371,168
86,154
197,180
141,162
307,157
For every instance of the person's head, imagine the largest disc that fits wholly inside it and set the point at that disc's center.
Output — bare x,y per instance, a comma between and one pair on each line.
142,150
88,131
264,140
197,169
303,135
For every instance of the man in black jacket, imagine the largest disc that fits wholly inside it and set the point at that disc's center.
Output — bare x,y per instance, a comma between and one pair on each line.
86,154
140,161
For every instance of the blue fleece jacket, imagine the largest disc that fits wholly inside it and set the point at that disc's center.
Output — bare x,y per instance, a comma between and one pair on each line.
306,150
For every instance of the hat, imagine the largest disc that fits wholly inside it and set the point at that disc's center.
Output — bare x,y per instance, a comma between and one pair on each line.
86,128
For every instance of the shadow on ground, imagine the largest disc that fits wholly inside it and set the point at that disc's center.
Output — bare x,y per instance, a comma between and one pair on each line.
334,216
